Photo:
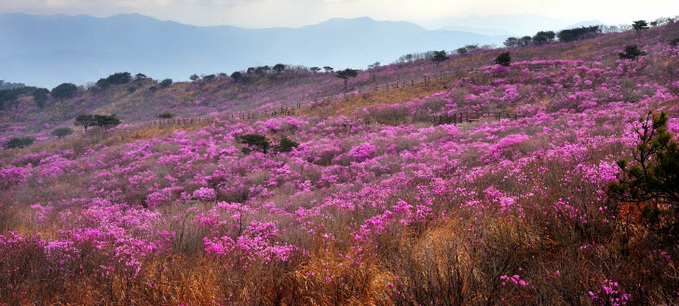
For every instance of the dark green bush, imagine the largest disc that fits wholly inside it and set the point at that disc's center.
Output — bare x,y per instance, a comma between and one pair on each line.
286,145
254,142
165,115
631,52
165,83
503,59
64,91
19,142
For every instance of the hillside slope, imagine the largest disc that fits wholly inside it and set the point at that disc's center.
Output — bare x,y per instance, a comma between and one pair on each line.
384,205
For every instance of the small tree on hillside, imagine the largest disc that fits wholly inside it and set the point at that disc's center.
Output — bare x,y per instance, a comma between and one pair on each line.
509,42
103,83
524,41
165,83
139,76
106,121
315,69
631,52
40,97
85,120
503,59
194,77
439,57
651,181
64,91
285,145
639,26
346,74
119,78
279,68
236,76
254,142
328,69
543,37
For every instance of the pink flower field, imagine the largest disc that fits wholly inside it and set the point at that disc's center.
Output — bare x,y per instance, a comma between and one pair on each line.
379,203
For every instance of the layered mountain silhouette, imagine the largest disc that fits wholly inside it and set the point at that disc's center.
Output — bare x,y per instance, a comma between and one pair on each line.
49,50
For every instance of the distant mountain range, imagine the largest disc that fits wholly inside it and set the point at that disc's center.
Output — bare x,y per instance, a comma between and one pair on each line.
508,25
49,50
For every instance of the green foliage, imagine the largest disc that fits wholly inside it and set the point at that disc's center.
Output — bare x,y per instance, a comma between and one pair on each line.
254,142
165,83
543,37
88,120
9,85
194,77
651,180
315,69
40,96
236,76
119,78
209,77
511,42
165,115
140,76
328,68
518,42
114,79
106,121
467,49
346,74
631,52
64,91
439,56
285,145
84,120
62,132
640,25
279,68
131,89
503,59
19,142
12,95
577,33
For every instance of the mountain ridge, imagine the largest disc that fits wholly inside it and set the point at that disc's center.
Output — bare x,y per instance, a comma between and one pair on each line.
180,50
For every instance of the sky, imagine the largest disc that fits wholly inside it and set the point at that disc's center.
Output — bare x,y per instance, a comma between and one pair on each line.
297,13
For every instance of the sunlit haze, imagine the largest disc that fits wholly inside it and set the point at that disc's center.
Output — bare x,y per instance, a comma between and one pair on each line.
297,13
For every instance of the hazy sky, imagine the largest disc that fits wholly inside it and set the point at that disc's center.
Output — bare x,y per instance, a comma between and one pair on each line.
296,13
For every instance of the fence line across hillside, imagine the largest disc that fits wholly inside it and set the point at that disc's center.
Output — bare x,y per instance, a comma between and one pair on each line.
291,110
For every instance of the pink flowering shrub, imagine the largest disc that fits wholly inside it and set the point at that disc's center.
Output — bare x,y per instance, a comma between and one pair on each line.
204,194
362,152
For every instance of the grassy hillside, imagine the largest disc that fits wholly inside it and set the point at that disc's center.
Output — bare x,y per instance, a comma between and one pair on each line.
381,202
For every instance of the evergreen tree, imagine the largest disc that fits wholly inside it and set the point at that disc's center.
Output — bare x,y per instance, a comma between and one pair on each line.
346,74
651,180
631,52
639,26
503,59
439,57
